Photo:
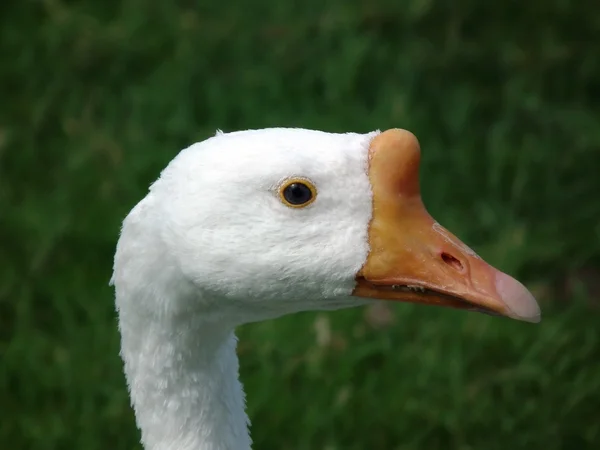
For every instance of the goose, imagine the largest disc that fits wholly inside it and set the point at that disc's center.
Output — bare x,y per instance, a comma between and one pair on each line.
251,225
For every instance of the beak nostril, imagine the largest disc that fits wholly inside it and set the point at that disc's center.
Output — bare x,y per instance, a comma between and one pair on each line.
452,262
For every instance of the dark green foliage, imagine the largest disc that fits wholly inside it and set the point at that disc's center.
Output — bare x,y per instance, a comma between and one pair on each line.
95,99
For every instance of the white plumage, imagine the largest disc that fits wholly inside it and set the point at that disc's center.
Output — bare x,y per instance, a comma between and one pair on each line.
213,246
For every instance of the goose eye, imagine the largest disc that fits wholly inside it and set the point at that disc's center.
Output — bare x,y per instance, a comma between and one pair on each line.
297,193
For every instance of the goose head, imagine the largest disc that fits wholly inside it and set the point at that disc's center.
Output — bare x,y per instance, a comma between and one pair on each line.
260,223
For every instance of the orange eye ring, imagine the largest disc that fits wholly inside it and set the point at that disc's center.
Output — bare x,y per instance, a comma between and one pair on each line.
297,192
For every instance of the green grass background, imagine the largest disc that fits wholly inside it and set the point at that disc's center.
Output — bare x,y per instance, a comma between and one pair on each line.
97,96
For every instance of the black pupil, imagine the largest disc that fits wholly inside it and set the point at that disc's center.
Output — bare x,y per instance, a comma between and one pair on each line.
297,193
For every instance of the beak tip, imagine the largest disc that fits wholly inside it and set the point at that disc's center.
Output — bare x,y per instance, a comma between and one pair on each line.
531,319
518,300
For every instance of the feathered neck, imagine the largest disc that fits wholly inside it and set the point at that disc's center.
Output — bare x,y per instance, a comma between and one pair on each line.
183,380
181,365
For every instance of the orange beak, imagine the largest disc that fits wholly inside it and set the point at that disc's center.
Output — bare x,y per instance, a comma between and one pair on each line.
414,259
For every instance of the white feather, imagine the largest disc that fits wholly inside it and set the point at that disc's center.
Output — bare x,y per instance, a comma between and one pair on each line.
212,246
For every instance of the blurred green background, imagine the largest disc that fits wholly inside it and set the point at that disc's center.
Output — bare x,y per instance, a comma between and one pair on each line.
97,96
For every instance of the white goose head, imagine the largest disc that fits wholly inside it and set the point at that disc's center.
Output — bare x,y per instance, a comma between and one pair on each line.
251,225
221,219
268,222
